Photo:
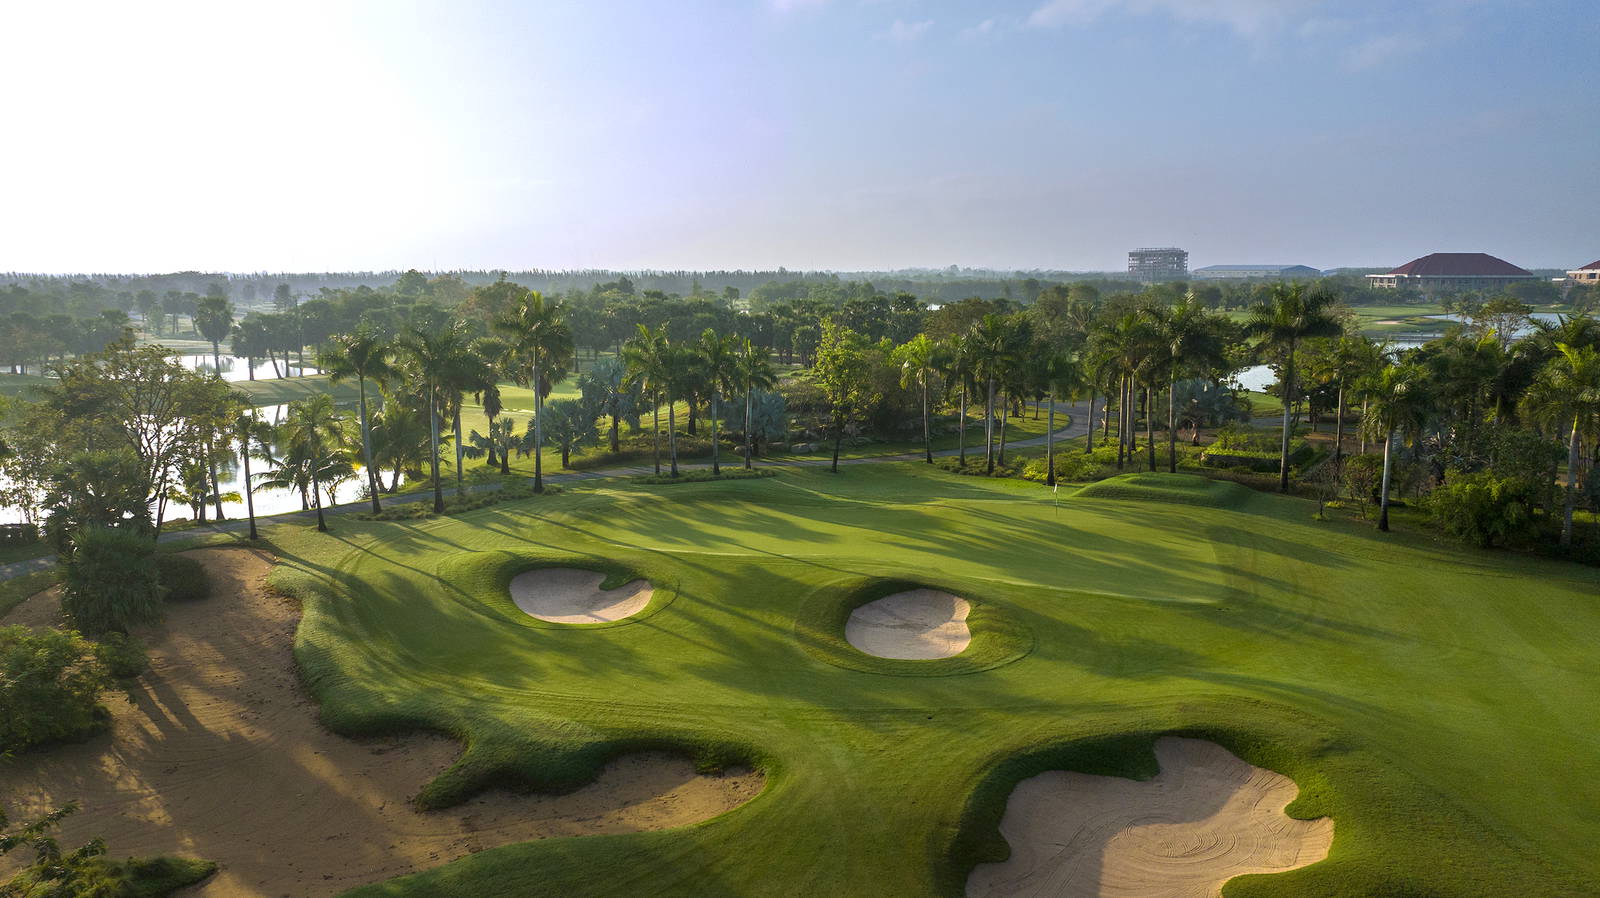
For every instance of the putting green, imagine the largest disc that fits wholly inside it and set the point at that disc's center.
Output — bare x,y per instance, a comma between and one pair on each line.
1437,702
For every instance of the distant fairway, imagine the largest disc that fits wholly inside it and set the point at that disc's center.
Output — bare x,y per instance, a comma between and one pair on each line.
1437,702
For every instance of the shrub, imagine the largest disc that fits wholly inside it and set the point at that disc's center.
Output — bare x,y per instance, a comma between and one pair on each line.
1482,508
122,655
111,580
86,872
50,685
182,578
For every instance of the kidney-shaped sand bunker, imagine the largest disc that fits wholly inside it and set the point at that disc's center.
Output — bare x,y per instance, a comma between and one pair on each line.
915,625
1205,818
573,596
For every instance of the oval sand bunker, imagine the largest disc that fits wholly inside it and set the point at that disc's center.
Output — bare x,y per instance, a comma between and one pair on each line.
573,596
916,625
1204,819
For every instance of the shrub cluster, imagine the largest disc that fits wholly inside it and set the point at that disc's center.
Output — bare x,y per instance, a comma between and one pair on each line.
111,580
1482,508
50,685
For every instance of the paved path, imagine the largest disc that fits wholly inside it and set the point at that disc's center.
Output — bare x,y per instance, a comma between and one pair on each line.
1076,415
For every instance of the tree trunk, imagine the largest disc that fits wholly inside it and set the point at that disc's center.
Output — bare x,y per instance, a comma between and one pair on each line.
672,433
615,446
1172,426
316,497
1150,425
749,399
1288,403
1005,410
1383,491
216,487
838,437
962,429
249,492
716,450
1122,415
927,439
988,429
1362,430
1049,442
1338,430
433,444
455,416
656,413
250,362
1572,484
538,428
366,447
1088,435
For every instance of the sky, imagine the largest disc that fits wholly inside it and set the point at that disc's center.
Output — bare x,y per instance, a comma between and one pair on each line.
810,134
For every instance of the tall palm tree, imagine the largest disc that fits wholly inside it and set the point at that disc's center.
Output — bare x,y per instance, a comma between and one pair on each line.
996,352
956,368
313,427
536,332
213,318
646,356
718,366
919,364
754,371
1400,404
255,439
364,355
1060,374
1568,390
1190,344
434,353
1291,315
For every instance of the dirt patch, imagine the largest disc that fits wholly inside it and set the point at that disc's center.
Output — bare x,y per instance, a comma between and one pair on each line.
919,624
573,596
221,757
1204,819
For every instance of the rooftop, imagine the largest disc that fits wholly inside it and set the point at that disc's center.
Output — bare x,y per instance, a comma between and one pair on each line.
1267,268
1460,265
1590,267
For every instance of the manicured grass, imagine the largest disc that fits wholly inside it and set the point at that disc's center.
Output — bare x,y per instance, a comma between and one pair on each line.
1437,701
277,391
22,384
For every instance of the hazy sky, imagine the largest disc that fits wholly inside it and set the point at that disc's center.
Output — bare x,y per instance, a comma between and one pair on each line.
845,134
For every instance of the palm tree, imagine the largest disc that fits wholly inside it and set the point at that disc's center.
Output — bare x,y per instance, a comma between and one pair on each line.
718,367
434,353
364,355
919,364
401,437
646,354
1060,374
1400,404
1291,315
1568,389
213,318
754,370
605,386
254,435
497,444
536,332
956,358
995,347
313,428
1193,346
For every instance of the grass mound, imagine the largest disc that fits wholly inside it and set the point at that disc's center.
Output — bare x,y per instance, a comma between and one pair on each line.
1185,489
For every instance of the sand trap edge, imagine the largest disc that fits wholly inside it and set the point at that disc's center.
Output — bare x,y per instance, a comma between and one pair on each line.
480,581
998,635
578,596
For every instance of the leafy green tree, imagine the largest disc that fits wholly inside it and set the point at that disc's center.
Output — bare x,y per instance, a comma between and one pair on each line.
1482,508
1291,315
605,387
1566,395
50,686
647,357
537,334
105,488
364,355
997,344
435,355
110,581
313,429
843,371
718,367
1190,344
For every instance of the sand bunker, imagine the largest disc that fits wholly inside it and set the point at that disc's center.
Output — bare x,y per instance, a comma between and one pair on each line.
221,757
917,625
1204,819
573,596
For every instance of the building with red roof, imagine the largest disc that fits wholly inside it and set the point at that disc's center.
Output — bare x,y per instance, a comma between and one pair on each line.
1453,271
1588,274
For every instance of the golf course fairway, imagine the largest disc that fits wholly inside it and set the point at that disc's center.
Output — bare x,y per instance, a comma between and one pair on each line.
1438,703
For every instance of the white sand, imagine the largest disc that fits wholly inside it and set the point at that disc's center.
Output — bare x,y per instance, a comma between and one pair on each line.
573,596
1204,819
919,624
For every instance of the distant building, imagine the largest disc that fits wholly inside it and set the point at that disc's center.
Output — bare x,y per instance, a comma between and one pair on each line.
1453,271
1240,272
1156,265
1588,274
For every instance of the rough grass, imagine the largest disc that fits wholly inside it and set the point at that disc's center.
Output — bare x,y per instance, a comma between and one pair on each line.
1437,701
16,590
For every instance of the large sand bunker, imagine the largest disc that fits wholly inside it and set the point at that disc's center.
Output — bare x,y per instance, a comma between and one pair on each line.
915,625
1204,819
221,757
573,596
